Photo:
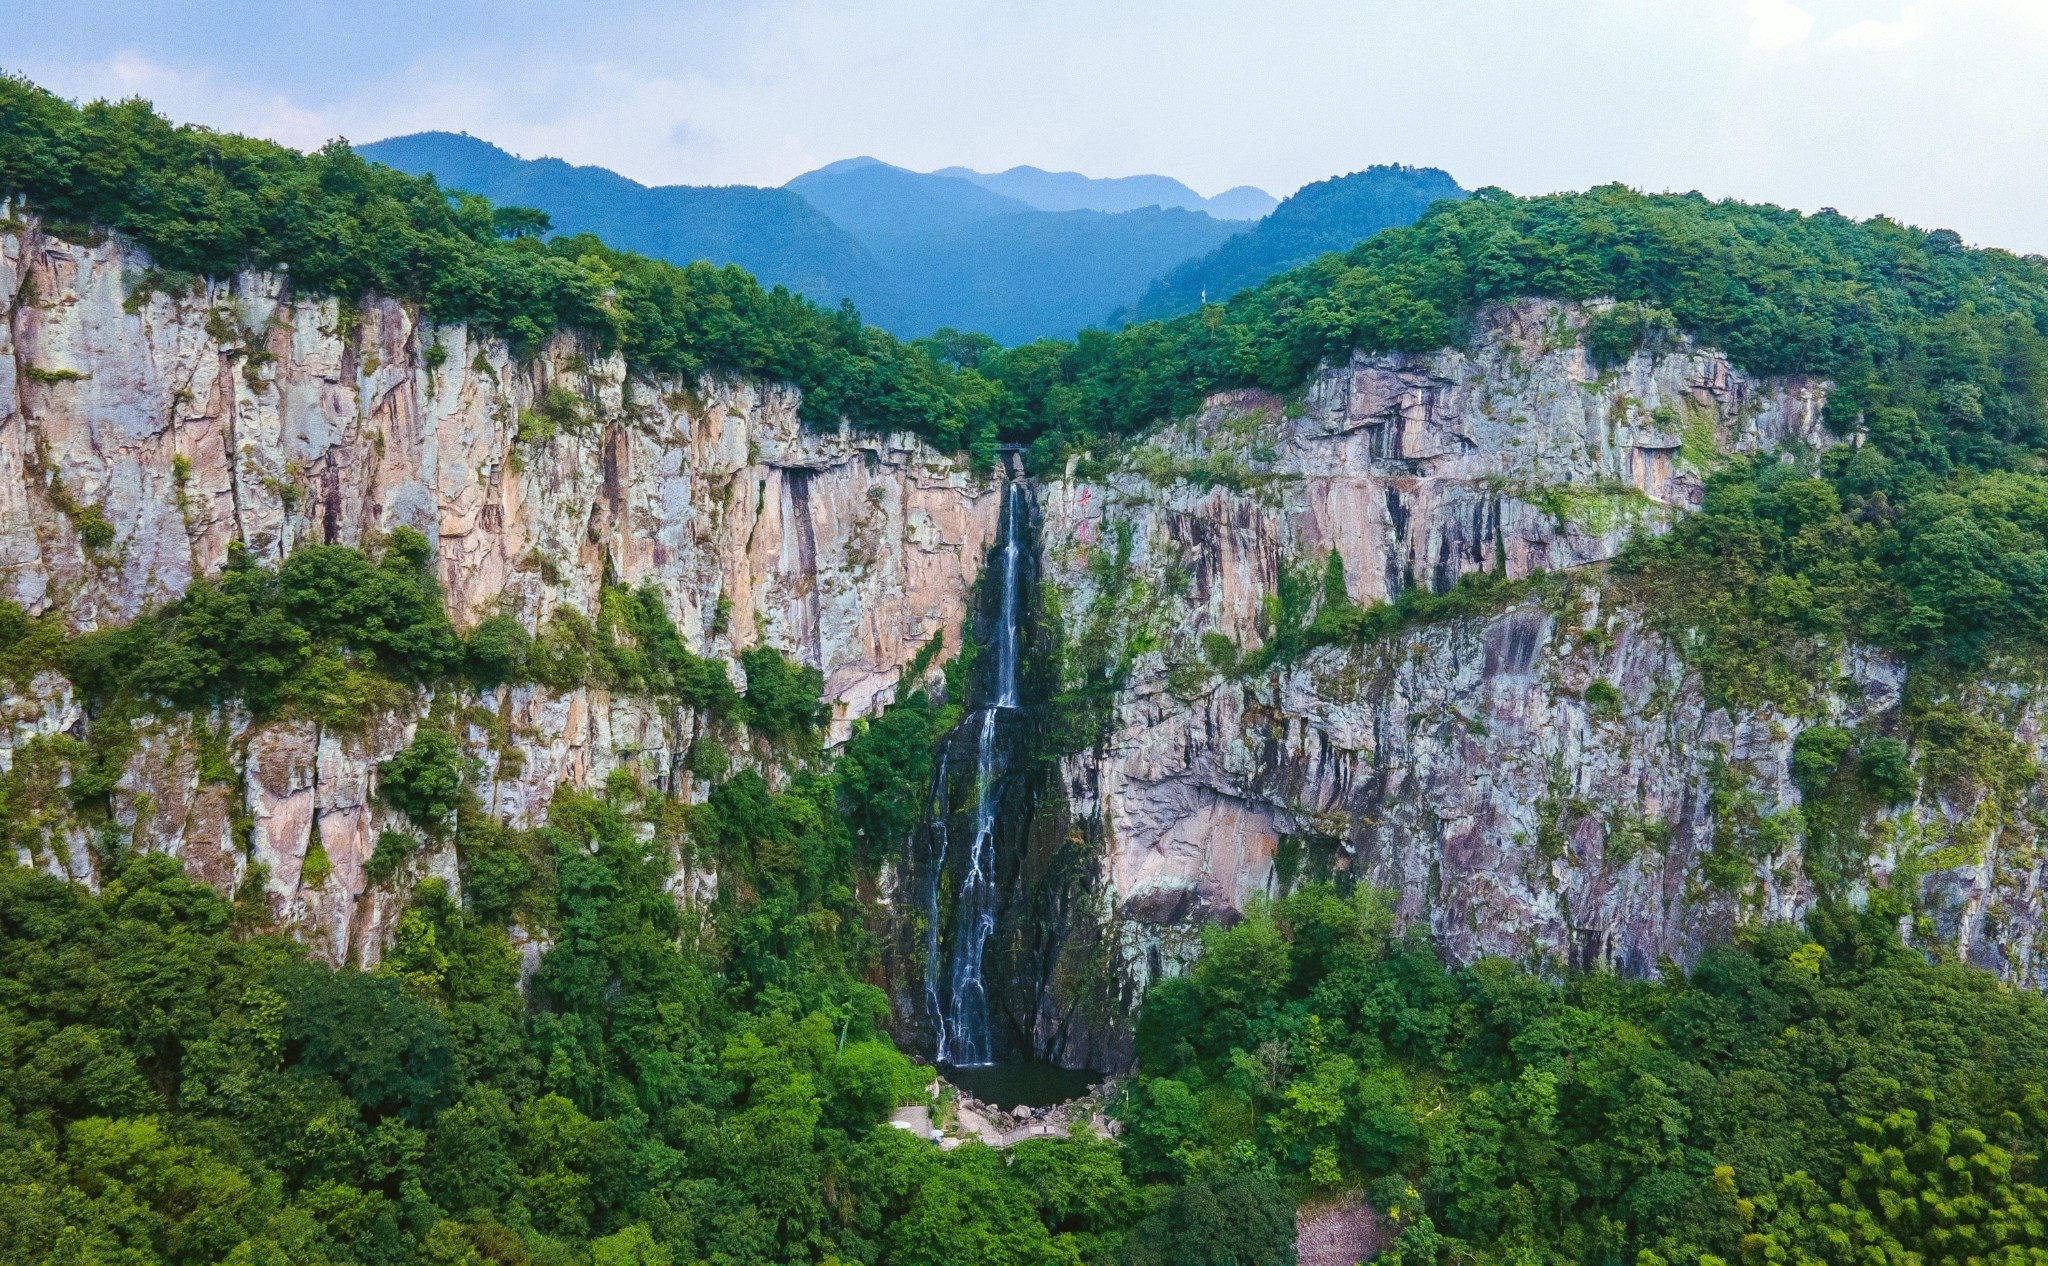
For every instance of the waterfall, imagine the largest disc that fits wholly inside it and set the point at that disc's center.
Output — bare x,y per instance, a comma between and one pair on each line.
963,1019
931,903
1006,630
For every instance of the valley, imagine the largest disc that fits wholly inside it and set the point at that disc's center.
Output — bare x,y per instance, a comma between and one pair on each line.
1520,734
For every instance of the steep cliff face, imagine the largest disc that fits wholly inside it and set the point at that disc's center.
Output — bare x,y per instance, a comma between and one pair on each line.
1513,455
1472,767
237,414
1467,767
143,432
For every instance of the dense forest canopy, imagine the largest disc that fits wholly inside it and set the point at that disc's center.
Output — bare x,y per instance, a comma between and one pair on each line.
1897,317
179,1083
1806,1096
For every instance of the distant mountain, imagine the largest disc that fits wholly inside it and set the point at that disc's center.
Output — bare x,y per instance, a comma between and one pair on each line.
1242,202
867,197
1037,273
1072,191
962,255
914,250
777,235
1330,215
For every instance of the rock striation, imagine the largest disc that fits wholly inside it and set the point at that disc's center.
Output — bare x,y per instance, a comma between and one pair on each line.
237,415
1469,768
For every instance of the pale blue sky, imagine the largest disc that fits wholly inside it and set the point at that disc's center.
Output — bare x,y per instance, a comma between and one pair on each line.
1935,111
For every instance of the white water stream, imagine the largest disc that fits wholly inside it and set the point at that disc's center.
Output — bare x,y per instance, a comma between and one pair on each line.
963,1020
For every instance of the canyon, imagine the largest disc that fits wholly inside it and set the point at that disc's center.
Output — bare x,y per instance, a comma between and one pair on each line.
1468,768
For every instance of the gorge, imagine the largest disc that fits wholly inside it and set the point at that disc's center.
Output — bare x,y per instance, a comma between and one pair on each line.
1441,771
1520,740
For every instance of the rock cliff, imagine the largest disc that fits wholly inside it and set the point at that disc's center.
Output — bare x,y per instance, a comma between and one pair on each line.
1474,769
144,431
1468,767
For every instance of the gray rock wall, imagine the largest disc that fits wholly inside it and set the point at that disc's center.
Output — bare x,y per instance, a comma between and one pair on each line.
237,414
1460,766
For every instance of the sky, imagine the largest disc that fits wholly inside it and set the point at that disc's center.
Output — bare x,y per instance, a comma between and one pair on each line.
1931,111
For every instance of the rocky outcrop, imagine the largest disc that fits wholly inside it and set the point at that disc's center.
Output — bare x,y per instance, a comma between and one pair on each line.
185,422
1473,771
1464,767
1471,768
1514,455
144,431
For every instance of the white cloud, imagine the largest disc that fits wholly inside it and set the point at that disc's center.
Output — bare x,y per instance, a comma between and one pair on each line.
210,99
1877,33
1777,24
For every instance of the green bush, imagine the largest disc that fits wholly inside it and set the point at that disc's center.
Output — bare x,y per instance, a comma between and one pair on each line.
391,852
562,656
424,779
254,635
1887,771
28,644
1817,755
1614,335
783,700
496,651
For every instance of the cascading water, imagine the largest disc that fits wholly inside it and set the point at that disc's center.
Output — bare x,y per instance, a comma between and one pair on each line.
1006,630
962,1017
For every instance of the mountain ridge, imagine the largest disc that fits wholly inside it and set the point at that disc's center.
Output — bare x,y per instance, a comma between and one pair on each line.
1072,191
913,251
1328,215
776,234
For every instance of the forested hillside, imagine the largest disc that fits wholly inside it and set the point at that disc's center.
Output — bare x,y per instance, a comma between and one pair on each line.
568,1065
1329,215
775,234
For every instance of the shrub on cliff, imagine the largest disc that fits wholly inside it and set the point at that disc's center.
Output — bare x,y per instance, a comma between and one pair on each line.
423,780
496,650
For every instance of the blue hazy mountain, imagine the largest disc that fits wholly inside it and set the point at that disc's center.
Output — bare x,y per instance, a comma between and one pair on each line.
775,234
1037,273
1018,255
867,197
1330,215
968,257
913,251
1072,191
